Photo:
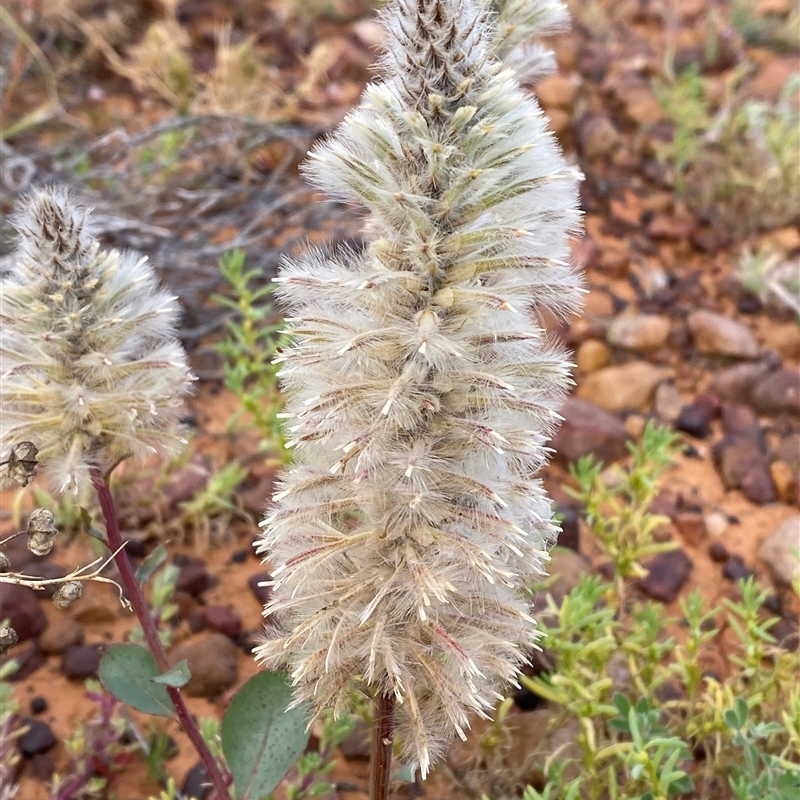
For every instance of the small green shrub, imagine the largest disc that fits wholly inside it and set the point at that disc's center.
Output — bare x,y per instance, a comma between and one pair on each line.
735,166
249,351
651,723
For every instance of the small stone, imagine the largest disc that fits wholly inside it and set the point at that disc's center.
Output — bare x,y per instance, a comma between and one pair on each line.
692,527
668,573
784,480
44,569
736,570
716,523
586,430
639,332
715,334
635,425
196,784
785,339
38,705
28,661
39,738
718,553
557,91
240,556
597,136
757,485
591,356
740,419
735,384
213,662
20,605
696,417
222,619
80,662
668,402
526,700
261,593
629,386
95,612
778,393
193,577
779,551
63,632
735,457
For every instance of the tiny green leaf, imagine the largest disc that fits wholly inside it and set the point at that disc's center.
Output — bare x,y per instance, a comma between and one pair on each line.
128,672
151,564
261,740
177,676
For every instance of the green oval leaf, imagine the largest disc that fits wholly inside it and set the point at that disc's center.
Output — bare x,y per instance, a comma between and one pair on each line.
127,671
260,738
176,677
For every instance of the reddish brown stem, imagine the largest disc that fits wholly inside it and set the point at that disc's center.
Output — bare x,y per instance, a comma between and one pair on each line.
382,737
137,600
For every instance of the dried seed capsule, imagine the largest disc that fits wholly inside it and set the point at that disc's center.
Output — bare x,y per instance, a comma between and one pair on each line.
21,462
5,564
67,594
41,532
8,638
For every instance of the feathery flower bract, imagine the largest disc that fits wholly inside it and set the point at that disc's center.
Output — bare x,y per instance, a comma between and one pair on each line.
91,370
421,389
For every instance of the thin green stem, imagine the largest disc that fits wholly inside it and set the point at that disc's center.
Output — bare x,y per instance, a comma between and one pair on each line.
142,611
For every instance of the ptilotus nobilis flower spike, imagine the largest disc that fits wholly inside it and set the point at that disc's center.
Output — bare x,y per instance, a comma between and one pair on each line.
421,389
90,367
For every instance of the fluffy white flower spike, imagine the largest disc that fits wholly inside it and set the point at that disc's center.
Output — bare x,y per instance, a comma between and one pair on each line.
90,368
421,389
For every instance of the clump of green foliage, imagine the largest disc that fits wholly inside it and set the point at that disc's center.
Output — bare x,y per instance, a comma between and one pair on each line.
737,165
650,722
252,343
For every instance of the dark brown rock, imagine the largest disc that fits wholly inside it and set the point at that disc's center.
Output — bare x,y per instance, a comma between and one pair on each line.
735,384
737,418
222,619
261,593
38,738
758,487
196,784
589,429
28,661
718,552
193,577
44,569
80,662
736,570
692,527
667,574
20,605
696,417
735,457
778,393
